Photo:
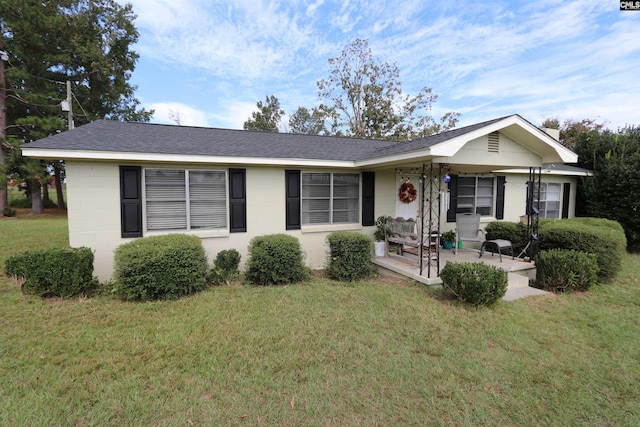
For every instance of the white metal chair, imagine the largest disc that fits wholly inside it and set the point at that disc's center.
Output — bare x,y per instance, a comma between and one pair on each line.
468,229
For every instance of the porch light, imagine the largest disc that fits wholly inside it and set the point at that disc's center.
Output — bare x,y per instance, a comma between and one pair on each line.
446,178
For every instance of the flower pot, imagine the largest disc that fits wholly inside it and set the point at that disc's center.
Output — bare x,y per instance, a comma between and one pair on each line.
379,248
447,245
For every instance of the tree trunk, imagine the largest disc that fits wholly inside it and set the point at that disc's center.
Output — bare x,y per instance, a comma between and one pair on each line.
57,170
4,198
36,198
45,193
4,202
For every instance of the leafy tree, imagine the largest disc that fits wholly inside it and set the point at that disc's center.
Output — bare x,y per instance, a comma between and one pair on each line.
86,42
570,129
309,122
268,116
364,98
614,158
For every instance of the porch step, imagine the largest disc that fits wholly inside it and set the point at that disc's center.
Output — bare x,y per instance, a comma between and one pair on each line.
519,288
517,280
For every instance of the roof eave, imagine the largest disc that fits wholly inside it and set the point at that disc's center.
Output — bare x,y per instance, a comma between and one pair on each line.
545,171
42,153
409,156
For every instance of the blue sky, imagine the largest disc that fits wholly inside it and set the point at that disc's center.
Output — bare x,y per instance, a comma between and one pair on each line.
210,61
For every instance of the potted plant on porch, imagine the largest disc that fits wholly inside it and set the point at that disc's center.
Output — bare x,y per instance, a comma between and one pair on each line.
379,235
448,239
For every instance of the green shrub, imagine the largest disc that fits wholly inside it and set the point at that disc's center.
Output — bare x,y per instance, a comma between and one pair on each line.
512,231
8,212
49,204
21,202
275,259
474,283
63,272
560,270
25,202
602,237
225,267
160,267
349,256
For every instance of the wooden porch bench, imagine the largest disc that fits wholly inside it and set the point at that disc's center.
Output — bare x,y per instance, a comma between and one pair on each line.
402,232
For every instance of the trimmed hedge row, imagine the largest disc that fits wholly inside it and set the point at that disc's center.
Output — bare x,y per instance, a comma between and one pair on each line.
160,267
560,270
61,272
512,231
602,237
349,256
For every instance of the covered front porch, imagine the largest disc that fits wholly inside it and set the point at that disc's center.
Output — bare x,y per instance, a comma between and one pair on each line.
408,266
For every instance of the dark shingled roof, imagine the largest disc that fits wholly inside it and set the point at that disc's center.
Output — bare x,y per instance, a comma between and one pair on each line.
134,137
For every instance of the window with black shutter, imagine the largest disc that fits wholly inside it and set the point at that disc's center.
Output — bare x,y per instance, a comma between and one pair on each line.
130,201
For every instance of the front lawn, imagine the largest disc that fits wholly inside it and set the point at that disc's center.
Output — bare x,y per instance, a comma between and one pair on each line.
377,352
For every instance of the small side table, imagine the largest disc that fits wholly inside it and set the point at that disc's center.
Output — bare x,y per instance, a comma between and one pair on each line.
499,244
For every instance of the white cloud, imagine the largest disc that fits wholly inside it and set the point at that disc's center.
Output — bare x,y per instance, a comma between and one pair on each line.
177,113
542,58
251,39
235,114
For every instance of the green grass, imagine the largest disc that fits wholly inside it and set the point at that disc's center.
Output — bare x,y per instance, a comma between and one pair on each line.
375,352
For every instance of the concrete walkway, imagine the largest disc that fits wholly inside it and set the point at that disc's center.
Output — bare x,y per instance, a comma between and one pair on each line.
518,271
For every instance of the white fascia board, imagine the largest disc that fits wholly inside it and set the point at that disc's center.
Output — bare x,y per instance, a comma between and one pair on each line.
563,152
409,156
546,172
179,158
451,147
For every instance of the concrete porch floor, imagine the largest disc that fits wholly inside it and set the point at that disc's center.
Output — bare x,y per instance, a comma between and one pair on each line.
407,266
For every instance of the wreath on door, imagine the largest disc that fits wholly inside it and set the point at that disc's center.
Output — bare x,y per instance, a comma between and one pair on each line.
407,193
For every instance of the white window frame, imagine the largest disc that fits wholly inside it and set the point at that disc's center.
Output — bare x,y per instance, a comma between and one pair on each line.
473,206
544,203
332,198
188,201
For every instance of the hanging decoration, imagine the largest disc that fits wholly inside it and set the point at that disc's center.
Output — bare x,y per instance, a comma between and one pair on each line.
407,192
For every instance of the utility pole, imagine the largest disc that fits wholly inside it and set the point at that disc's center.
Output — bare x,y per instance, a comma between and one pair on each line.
4,199
70,104
67,105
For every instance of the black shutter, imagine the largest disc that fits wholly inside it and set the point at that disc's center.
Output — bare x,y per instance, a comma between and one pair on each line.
292,188
566,194
453,199
237,200
501,180
368,198
131,201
